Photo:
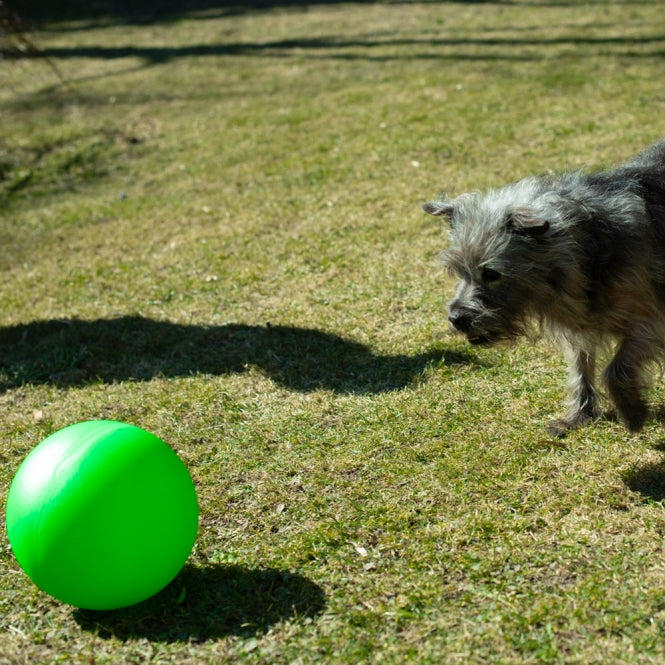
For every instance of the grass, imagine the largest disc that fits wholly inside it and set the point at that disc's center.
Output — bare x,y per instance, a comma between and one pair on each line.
210,229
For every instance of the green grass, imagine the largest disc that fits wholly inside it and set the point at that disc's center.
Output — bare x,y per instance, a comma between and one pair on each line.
211,229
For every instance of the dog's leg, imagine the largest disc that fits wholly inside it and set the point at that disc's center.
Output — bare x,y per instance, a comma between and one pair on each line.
582,398
625,383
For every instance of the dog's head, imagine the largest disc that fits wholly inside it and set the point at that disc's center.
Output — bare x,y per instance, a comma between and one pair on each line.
498,247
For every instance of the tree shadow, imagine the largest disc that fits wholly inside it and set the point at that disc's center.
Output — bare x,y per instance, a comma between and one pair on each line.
340,48
211,602
74,352
127,12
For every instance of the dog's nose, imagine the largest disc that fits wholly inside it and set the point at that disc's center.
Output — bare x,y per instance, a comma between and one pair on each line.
460,321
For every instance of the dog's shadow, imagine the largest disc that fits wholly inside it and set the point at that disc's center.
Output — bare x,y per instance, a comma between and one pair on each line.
211,602
77,352
648,479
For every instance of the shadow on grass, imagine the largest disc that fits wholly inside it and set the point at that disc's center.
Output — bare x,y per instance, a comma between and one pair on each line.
336,47
218,601
130,12
74,352
648,479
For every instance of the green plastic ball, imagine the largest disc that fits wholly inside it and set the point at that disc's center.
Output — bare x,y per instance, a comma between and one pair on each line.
102,515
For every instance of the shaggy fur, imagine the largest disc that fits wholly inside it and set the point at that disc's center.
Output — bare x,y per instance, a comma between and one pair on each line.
580,255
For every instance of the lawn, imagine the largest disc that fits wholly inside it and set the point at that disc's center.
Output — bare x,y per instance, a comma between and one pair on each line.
211,229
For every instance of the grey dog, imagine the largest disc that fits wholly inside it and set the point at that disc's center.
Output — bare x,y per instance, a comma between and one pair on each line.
580,256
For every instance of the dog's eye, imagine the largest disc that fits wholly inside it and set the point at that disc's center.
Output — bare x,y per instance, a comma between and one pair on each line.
488,275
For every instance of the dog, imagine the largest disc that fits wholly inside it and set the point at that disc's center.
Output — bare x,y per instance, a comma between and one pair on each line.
579,256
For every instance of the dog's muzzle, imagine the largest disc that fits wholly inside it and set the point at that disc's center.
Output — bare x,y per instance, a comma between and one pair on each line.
463,322
460,321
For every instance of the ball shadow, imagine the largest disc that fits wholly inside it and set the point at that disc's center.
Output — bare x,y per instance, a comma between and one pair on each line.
210,602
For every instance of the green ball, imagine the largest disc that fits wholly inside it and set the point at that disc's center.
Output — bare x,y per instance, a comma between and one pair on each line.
102,515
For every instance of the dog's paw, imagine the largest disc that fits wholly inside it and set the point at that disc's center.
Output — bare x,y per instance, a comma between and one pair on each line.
635,417
632,410
559,428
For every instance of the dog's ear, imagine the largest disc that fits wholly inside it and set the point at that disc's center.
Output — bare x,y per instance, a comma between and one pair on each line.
526,222
442,207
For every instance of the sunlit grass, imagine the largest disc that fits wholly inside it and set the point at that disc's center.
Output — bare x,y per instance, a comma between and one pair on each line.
211,229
